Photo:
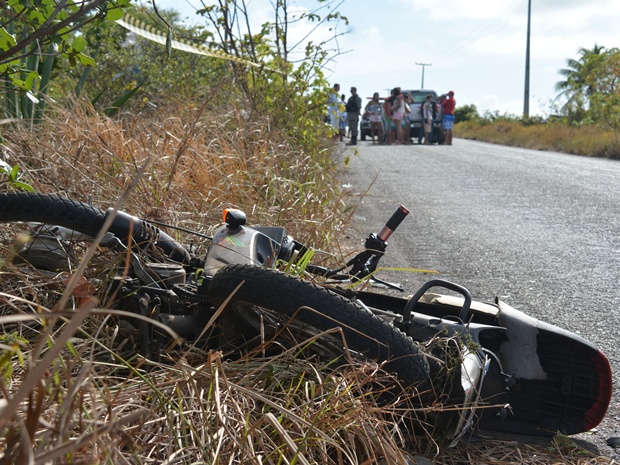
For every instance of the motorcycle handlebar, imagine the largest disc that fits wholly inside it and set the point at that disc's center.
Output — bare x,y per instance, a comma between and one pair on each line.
128,227
390,226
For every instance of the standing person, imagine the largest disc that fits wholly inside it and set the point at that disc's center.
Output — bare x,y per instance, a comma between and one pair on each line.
427,118
388,123
407,119
342,120
441,134
353,107
334,108
398,113
375,110
448,106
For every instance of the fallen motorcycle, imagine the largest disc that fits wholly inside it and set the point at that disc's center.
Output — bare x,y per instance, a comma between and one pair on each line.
515,373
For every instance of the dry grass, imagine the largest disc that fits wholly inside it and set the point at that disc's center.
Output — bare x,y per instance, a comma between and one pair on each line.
560,451
184,164
587,140
79,394
80,399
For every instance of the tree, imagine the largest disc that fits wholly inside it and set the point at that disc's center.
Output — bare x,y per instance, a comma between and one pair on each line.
294,97
126,60
466,113
32,34
604,79
576,88
286,85
591,87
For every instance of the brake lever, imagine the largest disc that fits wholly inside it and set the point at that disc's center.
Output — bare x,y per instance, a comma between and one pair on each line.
365,263
394,286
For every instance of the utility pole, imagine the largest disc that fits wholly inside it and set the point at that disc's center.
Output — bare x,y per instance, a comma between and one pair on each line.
526,96
423,65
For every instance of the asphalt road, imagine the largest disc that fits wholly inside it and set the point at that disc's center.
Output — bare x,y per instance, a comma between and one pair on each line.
541,230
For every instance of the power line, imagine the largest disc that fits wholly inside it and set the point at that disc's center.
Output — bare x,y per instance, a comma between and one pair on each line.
466,43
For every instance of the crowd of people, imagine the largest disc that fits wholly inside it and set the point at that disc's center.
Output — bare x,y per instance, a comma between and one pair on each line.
389,117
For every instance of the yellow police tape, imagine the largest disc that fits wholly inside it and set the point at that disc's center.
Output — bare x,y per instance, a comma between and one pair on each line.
144,30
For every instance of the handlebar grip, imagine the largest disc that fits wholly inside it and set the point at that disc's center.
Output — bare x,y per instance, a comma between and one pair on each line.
391,225
144,234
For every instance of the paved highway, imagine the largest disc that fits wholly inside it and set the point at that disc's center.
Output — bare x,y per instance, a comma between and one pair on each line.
540,230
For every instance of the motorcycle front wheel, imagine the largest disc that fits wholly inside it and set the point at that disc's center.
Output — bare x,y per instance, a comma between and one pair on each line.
294,299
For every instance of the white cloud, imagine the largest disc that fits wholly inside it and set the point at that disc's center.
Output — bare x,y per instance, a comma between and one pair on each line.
374,36
449,10
487,103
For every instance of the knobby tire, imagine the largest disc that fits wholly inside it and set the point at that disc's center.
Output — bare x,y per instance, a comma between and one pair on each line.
323,309
51,209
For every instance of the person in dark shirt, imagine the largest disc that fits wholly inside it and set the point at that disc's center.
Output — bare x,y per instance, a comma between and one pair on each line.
353,107
388,123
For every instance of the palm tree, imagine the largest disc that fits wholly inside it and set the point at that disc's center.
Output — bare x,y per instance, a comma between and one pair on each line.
576,88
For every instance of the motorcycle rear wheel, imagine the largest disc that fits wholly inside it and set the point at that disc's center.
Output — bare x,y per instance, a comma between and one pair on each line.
51,209
31,211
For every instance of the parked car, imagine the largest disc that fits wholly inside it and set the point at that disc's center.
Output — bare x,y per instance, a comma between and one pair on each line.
365,128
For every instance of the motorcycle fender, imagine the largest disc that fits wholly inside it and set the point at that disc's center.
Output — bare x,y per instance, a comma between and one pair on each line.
560,381
519,351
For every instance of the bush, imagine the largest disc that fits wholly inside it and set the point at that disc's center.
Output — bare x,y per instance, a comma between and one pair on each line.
535,133
466,113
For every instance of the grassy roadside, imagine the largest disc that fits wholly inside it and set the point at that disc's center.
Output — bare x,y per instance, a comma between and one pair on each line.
81,396
91,402
587,140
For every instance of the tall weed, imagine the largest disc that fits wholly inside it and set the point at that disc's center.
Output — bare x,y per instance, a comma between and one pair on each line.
198,158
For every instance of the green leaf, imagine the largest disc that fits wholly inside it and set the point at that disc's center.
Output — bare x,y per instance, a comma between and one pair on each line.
114,14
85,59
6,40
37,17
79,44
31,78
121,101
96,98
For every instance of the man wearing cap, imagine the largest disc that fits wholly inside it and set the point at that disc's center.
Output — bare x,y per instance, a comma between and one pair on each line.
353,107
448,106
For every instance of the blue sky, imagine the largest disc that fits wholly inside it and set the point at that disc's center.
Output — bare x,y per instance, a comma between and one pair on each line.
476,48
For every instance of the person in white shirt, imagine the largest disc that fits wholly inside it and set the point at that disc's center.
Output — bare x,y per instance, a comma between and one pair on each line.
427,118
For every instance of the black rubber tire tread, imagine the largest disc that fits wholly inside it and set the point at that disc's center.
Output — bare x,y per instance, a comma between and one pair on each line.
286,294
51,209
